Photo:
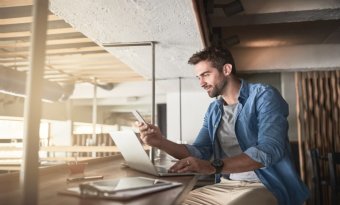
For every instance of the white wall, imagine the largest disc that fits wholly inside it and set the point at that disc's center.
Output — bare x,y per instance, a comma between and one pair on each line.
289,94
194,106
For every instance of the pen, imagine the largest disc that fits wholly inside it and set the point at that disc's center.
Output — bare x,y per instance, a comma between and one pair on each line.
76,179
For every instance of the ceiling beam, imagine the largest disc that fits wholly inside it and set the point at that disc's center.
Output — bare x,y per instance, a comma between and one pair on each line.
68,62
11,3
28,33
77,59
85,68
83,61
83,56
20,20
75,66
54,51
275,18
81,79
288,58
103,75
57,24
268,6
79,70
15,12
18,44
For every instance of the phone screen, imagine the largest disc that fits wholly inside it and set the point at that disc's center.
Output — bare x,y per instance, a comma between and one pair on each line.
138,116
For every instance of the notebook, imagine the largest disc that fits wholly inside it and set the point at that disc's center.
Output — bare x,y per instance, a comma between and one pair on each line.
135,156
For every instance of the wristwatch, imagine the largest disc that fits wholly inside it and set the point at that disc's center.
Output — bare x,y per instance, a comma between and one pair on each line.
218,164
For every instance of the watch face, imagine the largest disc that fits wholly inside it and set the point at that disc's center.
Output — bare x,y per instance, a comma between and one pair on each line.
218,163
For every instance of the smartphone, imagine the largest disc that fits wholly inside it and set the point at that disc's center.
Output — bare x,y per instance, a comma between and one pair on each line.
138,116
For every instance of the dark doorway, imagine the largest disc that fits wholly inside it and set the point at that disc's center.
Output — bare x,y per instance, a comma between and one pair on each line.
161,118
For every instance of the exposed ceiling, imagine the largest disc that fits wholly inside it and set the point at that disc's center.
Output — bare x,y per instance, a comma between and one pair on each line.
171,24
267,36
71,57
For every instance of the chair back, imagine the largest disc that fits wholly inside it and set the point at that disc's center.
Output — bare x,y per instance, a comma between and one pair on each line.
333,161
318,179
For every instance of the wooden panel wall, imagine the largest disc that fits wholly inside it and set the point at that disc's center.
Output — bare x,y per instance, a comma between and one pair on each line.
318,110
103,139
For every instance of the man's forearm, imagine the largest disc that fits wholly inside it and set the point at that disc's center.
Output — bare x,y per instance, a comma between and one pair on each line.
178,151
240,163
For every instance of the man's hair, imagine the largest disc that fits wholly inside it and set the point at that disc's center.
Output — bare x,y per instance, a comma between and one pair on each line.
216,55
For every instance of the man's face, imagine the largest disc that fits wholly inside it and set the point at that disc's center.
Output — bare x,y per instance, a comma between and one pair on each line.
210,78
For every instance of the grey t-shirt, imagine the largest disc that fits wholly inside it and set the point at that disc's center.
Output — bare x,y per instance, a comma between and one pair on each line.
226,132
229,143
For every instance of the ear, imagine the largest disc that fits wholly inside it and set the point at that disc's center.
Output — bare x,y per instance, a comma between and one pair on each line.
227,68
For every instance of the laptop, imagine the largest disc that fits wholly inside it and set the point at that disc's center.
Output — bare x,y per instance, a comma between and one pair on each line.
136,157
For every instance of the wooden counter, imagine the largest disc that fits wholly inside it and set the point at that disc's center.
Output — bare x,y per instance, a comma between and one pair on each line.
53,179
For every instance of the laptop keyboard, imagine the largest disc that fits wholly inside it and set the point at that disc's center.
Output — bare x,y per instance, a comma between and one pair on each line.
162,169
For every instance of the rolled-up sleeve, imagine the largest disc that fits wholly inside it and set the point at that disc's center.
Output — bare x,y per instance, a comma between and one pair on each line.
194,151
202,147
259,156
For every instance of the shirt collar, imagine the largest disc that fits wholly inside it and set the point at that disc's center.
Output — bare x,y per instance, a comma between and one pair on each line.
244,91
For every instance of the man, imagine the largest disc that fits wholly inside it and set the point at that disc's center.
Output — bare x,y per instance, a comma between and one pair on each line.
245,133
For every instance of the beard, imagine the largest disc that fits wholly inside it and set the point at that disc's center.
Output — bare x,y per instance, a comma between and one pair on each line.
218,88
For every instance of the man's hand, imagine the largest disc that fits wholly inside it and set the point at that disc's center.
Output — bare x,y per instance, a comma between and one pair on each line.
150,134
191,164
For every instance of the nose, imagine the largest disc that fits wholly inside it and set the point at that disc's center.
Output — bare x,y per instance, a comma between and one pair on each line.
202,82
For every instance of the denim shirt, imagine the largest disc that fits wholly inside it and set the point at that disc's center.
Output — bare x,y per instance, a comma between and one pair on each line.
261,129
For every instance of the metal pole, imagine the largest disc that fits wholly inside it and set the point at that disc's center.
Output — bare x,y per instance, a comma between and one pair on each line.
153,113
153,84
32,111
129,44
69,105
153,109
94,114
180,109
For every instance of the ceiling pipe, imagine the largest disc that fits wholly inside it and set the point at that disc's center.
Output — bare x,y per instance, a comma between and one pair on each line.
107,86
13,82
231,8
230,41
